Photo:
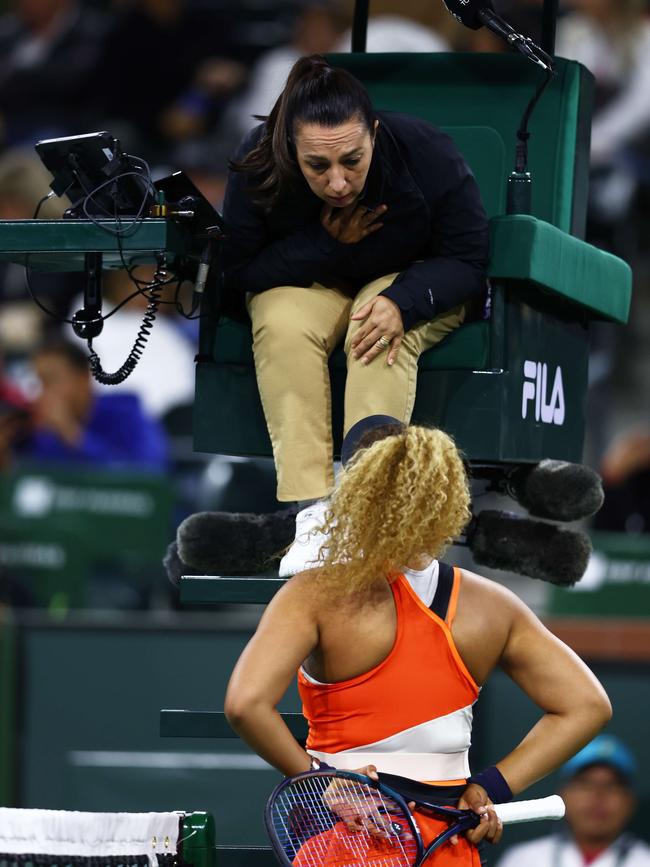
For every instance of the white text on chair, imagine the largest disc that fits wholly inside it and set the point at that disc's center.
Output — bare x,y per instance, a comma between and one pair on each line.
536,388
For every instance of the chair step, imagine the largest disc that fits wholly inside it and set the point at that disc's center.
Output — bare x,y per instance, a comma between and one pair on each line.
223,589
213,724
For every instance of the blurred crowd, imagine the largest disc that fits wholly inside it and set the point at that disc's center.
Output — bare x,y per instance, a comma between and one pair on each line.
179,82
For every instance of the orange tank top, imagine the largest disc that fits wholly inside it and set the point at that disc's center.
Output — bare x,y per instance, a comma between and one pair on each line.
412,713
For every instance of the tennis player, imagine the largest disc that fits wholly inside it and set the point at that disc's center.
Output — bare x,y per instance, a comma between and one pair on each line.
392,647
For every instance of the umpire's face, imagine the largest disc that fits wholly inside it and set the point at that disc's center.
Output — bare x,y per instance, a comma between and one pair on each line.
335,160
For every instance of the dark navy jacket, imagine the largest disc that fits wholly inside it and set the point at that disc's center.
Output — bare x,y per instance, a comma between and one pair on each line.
435,230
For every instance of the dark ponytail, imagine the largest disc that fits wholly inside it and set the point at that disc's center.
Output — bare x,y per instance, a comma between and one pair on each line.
315,92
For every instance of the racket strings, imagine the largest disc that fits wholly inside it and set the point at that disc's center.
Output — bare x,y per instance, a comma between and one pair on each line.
318,820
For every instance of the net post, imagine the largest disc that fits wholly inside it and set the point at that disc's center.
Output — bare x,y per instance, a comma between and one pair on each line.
198,839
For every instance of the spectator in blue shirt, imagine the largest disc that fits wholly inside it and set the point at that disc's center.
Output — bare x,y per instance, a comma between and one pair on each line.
73,424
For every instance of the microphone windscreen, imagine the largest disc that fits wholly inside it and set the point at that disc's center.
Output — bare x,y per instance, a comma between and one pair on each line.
235,543
467,11
502,540
174,566
558,490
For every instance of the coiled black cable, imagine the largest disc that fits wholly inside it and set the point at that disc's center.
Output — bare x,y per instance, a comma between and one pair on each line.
155,289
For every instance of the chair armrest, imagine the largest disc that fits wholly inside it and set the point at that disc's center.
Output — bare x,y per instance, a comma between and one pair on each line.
524,248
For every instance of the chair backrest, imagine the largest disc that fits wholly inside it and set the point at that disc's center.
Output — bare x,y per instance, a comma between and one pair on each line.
482,92
485,152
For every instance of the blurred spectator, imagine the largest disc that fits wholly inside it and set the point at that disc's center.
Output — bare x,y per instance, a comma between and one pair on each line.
70,424
625,469
48,50
316,31
164,375
23,182
600,800
14,417
322,27
168,70
401,26
612,39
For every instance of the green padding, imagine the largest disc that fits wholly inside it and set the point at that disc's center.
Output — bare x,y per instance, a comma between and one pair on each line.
61,245
485,152
526,249
467,348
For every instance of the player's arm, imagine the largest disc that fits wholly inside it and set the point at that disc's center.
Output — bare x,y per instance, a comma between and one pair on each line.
495,627
575,704
285,637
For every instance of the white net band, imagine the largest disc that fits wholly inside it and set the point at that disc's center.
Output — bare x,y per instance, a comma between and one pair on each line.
90,835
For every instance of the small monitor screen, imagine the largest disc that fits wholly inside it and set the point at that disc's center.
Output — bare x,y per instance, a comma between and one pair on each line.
83,166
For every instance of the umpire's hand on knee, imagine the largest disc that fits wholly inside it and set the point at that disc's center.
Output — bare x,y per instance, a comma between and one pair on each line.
381,332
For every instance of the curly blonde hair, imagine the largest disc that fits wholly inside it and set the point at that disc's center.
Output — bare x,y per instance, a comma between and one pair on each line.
404,496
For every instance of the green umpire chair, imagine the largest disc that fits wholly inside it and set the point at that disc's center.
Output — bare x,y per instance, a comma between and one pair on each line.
510,388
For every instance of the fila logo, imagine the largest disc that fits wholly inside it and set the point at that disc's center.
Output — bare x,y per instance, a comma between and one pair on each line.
536,389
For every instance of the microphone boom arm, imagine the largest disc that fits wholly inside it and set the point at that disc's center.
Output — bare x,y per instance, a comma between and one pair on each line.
523,44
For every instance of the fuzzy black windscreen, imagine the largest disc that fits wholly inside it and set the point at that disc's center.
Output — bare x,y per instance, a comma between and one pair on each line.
558,490
233,543
502,540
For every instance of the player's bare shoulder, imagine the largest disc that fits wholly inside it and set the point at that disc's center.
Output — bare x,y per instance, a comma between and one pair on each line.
485,615
307,593
303,589
481,592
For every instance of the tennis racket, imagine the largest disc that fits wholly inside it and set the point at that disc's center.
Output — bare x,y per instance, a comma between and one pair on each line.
341,818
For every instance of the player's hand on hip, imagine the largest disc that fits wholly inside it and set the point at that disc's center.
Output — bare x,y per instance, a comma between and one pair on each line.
353,223
490,827
381,333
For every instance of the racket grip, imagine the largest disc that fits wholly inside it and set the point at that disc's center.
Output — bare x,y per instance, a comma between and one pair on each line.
531,811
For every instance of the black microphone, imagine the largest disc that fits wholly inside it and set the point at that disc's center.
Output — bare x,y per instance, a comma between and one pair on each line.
212,234
204,269
468,11
480,13
503,540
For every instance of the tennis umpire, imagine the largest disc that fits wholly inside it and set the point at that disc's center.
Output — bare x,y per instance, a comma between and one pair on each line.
346,224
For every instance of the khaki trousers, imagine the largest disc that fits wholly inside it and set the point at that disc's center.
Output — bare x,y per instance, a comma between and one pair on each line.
295,330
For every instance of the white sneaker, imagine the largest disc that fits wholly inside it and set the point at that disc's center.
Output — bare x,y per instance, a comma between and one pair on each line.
303,553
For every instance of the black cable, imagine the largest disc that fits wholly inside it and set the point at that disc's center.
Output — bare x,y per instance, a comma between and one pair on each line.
28,279
32,295
140,341
139,217
41,203
521,150
152,290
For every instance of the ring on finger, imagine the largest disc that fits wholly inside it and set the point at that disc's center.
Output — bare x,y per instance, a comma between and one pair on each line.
383,342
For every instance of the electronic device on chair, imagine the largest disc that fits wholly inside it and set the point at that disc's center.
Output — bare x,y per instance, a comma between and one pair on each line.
115,191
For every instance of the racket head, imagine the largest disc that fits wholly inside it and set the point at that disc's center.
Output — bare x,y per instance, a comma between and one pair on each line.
324,817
